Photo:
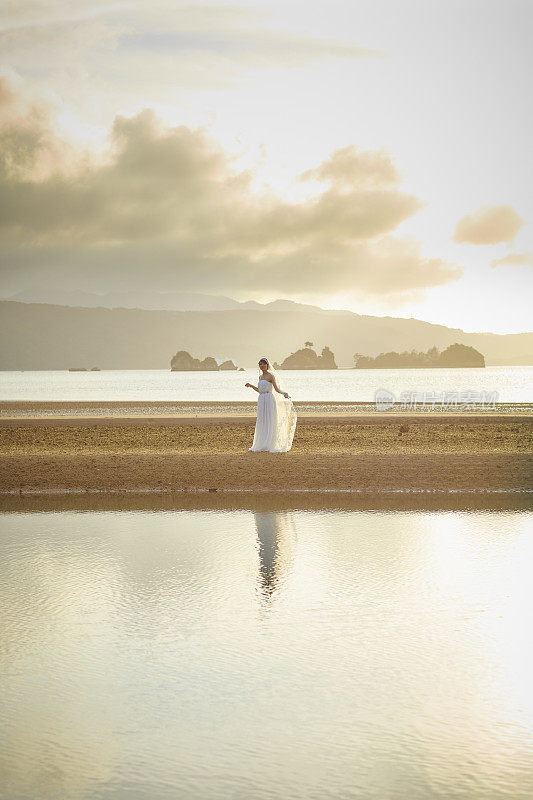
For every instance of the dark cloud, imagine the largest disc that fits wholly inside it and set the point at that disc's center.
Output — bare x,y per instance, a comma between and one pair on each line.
165,204
489,225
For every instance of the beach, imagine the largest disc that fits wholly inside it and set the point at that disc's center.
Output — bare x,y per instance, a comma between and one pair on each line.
64,452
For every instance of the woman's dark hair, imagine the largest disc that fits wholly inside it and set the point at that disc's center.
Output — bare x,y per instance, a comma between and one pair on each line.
265,360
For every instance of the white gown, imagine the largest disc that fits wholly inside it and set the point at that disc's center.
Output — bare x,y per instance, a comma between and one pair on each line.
276,421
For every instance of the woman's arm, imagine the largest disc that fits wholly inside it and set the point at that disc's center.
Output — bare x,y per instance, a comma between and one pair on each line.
252,386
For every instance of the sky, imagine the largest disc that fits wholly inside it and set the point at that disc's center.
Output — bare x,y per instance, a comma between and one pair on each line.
373,156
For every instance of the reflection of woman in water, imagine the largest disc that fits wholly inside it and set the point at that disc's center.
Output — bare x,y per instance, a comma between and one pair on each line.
276,415
277,543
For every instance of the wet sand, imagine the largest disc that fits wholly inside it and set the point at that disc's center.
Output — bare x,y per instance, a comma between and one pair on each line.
204,408
345,453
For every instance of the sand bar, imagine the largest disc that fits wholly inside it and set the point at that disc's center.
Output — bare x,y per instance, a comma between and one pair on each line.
171,454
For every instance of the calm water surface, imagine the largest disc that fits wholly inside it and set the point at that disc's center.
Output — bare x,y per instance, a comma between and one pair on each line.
513,384
267,654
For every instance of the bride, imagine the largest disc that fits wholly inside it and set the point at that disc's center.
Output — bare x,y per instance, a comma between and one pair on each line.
276,415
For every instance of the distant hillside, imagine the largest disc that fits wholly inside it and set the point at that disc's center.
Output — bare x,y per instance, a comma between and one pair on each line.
40,336
150,301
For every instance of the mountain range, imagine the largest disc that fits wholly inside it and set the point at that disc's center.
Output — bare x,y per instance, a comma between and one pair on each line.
58,336
151,301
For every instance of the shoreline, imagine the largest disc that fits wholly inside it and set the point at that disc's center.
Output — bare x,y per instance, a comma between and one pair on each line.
48,409
253,501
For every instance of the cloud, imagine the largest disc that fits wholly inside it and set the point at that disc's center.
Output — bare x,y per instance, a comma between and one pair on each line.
177,43
165,206
514,260
348,166
30,146
488,225
257,48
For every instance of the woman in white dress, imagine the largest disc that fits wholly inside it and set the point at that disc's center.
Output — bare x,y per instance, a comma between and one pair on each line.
276,415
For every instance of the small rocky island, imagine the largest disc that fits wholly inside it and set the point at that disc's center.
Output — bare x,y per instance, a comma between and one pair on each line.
306,358
184,362
456,355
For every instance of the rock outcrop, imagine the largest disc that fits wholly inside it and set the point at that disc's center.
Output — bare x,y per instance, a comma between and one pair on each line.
306,358
184,362
461,355
456,355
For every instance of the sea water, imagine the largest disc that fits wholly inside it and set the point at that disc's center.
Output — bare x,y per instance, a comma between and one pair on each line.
504,384
256,653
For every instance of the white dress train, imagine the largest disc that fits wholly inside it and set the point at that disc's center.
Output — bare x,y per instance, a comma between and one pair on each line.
276,421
